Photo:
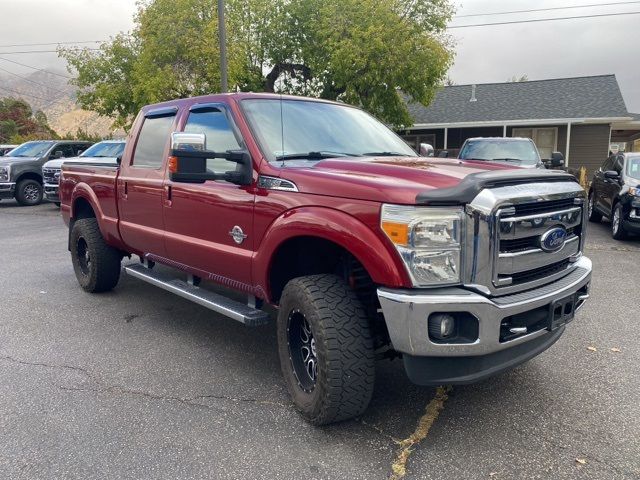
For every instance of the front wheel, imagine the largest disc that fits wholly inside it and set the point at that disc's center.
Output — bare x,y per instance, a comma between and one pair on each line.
617,223
96,264
29,192
326,349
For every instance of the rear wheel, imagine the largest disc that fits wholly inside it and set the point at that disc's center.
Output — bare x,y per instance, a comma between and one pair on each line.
617,225
594,216
96,264
326,349
29,192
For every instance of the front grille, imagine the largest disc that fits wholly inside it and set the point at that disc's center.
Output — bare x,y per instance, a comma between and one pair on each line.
538,273
520,261
51,175
543,207
526,243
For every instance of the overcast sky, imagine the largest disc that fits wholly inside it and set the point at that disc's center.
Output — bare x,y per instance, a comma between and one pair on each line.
563,48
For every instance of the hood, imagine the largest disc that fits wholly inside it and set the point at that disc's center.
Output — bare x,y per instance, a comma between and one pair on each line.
384,179
57,163
6,161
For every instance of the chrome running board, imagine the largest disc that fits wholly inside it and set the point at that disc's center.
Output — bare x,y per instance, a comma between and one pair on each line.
240,312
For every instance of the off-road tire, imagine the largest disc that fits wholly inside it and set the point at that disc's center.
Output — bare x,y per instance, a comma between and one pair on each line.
343,348
594,215
617,229
102,270
29,192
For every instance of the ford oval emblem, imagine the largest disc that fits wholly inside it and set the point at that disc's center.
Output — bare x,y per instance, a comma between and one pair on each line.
553,239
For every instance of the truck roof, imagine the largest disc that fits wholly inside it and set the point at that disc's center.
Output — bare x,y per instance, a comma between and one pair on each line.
218,97
508,139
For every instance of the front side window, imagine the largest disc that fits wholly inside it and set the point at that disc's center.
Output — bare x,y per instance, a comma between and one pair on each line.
219,136
65,148
287,128
152,141
608,164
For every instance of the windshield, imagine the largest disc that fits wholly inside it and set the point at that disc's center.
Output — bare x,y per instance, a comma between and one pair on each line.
519,152
633,167
104,149
321,129
31,149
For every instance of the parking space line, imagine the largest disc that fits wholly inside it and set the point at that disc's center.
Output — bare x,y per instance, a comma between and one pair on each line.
431,414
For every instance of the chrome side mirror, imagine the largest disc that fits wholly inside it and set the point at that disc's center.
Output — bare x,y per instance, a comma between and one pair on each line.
426,150
190,142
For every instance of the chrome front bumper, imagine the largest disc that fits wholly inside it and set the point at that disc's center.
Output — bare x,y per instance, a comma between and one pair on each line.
51,192
406,313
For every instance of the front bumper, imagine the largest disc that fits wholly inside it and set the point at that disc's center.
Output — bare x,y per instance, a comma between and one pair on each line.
7,190
406,313
51,192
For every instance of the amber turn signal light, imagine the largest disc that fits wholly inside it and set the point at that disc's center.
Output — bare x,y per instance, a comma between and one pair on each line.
173,164
397,232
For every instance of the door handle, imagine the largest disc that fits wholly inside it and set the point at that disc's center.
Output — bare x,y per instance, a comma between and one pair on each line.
125,190
168,195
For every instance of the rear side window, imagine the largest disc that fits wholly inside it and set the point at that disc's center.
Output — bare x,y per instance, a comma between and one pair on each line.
220,136
152,139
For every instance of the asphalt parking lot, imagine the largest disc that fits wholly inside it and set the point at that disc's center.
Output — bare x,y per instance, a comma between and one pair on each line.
138,383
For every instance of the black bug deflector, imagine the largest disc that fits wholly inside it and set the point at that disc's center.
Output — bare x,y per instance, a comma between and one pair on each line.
474,183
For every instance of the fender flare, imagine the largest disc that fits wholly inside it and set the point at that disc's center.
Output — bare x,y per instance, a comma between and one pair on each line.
108,226
377,257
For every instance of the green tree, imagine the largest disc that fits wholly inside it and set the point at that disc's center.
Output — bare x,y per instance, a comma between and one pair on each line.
18,123
364,52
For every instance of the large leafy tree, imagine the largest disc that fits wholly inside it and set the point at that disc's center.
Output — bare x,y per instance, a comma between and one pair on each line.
364,52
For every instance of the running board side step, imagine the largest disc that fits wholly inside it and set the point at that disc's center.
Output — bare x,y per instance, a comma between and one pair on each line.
251,317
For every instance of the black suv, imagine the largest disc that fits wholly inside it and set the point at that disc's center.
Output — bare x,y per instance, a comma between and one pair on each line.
615,193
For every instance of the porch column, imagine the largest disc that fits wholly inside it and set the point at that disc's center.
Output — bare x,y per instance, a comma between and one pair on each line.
446,139
568,147
504,131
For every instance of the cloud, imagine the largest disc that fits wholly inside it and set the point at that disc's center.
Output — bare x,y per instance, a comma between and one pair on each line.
563,48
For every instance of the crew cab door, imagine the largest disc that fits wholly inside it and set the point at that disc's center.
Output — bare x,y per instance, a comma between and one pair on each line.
209,226
140,183
600,186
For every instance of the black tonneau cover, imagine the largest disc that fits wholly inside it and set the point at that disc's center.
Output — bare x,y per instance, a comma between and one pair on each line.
474,183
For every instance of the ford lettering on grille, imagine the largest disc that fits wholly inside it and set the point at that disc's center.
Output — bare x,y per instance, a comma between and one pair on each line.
553,239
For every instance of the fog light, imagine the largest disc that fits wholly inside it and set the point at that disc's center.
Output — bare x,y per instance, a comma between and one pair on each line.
441,326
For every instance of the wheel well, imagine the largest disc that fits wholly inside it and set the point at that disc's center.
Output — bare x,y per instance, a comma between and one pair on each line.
82,209
303,256
30,176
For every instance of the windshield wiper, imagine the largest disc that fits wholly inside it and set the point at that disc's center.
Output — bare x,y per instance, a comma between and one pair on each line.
519,160
385,154
314,155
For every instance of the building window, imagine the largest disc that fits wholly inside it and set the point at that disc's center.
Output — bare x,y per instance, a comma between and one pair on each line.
546,139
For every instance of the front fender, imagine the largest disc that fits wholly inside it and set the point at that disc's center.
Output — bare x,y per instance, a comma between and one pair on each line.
379,259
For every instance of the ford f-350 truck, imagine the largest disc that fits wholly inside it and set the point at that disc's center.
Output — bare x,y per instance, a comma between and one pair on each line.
462,268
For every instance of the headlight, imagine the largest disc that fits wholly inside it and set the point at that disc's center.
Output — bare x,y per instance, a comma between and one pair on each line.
4,174
429,241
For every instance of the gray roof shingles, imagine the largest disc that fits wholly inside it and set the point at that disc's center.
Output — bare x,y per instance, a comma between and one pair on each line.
580,97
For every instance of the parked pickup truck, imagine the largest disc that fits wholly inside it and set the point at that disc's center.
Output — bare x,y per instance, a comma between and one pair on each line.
366,250
106,152
21,170
521,152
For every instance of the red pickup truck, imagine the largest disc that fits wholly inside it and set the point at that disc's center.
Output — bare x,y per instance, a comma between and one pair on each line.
366,250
